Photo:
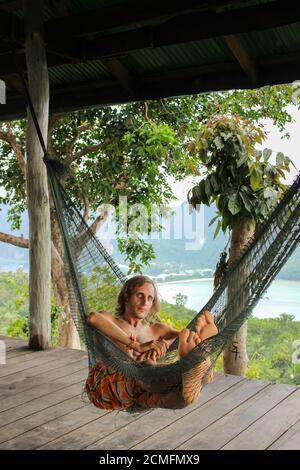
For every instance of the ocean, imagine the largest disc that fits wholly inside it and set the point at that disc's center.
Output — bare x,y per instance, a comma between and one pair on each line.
280,297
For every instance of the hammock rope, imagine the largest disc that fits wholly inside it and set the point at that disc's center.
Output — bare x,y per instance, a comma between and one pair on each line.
91,271
87,260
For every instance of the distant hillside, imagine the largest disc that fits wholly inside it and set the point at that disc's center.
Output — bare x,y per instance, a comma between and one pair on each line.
11,257
171,254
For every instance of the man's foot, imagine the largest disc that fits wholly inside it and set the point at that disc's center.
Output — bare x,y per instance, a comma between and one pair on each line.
205,326
188,340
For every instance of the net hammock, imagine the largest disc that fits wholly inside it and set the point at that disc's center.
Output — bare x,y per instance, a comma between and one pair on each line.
92,275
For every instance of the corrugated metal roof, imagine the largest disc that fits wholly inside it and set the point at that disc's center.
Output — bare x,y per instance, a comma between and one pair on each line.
72,73
275,41
191,56
183,55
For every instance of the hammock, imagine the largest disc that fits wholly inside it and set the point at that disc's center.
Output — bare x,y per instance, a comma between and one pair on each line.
88,264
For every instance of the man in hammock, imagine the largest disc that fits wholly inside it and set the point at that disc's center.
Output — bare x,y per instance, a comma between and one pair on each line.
145,342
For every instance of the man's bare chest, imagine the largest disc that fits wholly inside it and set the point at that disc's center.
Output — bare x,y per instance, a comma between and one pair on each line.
143,333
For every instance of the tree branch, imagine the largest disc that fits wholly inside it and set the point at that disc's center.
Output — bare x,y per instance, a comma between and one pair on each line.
10,138
13,240
85,235
81,153
72,142
99,221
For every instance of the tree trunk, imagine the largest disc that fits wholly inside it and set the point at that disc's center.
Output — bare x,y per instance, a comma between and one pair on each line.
37,188
235,357
68,336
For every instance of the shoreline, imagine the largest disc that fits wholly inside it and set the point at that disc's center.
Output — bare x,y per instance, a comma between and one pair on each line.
201,279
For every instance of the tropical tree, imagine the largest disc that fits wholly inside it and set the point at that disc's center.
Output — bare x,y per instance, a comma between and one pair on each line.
129,150
245,186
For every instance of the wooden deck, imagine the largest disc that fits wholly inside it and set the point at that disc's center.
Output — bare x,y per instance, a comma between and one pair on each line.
41,408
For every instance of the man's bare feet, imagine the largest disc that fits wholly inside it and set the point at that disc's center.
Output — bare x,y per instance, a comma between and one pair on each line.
205,326
188,340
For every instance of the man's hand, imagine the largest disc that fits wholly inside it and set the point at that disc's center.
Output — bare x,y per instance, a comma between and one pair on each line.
158,346
148,357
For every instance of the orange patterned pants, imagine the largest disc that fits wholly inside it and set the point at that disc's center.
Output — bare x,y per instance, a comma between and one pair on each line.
111,390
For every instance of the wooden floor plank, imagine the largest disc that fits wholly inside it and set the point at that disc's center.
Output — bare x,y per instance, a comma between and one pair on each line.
262,433
183,429
71,365
39,436
13,343
82,434
103,426
159,418
23,351
41,366
241,417
16,365
290,440
39,404
42,390
41,417
41,407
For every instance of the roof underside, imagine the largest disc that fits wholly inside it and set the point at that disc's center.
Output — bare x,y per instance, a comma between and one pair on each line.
115,51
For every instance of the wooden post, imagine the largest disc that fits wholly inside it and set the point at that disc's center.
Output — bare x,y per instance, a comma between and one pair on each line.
37,187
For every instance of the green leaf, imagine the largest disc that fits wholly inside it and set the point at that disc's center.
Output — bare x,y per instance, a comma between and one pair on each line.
243,158
213,220
246,201
279,158
219,225
255,179
214,182
207,188
234,204
266,154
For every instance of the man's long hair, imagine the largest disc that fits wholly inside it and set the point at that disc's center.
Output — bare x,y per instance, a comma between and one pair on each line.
128,289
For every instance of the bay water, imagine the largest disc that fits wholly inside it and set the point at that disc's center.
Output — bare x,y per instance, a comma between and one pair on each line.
281,296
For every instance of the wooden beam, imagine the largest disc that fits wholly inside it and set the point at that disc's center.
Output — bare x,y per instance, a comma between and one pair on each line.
181,29
125,15
190,80
13,83
242,57
121,74
37,185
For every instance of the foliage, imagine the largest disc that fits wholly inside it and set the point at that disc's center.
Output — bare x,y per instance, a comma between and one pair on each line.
14,306
100,289
131,151
238,178
270,349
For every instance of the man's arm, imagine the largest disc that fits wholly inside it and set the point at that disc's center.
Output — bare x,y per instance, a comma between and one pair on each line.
166,333
104,322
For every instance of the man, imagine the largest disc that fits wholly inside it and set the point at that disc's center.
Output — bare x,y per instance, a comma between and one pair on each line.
145,342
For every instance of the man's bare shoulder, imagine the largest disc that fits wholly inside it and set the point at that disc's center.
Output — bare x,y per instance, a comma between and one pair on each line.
103,313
